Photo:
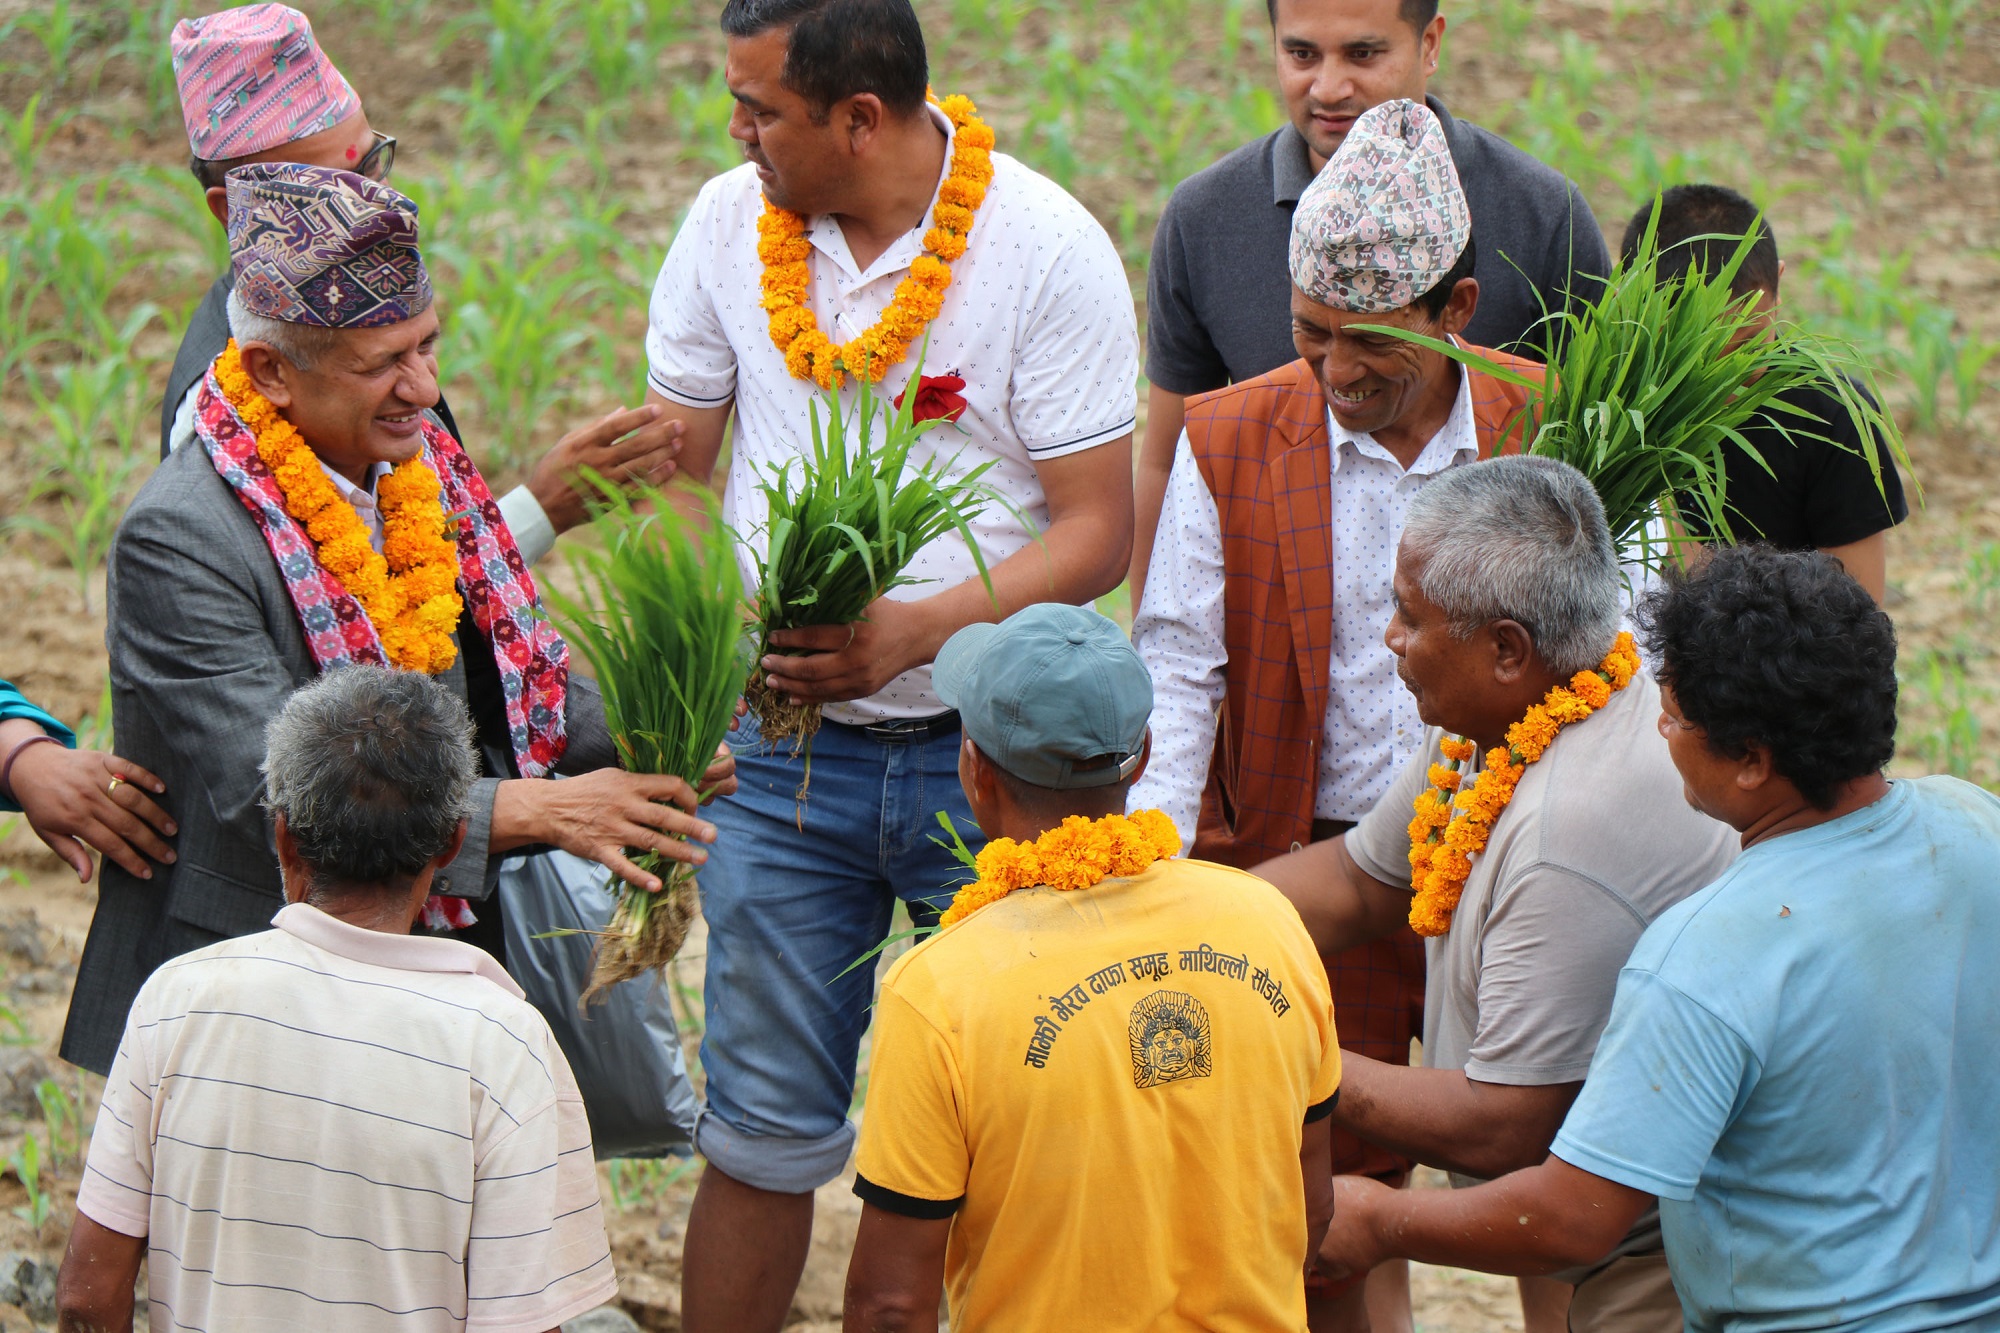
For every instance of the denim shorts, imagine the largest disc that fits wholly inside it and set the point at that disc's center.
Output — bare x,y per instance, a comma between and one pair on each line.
795,891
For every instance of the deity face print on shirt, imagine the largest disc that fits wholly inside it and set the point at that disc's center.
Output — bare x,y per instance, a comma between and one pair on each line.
1170,1039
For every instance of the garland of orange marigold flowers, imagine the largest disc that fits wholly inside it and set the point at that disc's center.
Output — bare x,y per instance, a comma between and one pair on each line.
1075,854
784,250
1441,846
410,590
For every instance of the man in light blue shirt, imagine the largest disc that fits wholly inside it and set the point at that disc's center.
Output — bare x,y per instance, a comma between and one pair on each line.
1802,1058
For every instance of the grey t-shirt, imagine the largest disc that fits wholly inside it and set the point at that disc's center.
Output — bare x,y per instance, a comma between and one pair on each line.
1598,840
1218,297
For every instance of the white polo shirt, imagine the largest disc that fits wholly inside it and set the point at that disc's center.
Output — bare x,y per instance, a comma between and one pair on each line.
1038,320
321,1126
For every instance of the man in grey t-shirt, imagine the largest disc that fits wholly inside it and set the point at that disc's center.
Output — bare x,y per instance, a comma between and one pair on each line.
1218,295
1595,842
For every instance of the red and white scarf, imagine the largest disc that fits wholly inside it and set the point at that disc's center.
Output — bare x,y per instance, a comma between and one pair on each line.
532,658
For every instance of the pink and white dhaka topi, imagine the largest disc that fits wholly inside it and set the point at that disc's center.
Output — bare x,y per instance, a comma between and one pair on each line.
1386,219
254,78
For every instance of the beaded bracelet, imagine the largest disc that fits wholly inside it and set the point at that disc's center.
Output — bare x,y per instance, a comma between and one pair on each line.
7,769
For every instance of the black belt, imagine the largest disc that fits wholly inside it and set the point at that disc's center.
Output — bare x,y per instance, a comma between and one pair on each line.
1324,829
907,730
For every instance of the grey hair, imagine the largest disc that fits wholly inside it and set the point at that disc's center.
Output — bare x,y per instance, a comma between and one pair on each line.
301,344
1520,539
373,771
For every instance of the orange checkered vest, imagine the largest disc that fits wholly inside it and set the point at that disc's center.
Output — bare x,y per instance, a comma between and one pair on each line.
1262,448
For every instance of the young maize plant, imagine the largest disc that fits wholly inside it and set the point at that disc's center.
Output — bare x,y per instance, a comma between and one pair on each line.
845,524
658,615
1653,378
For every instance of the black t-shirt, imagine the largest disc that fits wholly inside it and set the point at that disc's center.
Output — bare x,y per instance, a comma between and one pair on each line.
1219,294
1816,494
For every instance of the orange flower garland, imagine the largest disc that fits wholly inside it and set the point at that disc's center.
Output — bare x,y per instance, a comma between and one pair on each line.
410,591
784,250
1075,854
1441,846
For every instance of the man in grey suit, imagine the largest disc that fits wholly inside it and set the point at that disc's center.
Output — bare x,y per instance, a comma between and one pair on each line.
221,601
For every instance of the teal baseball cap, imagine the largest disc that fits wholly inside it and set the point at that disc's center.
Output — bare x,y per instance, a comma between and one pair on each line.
1049,688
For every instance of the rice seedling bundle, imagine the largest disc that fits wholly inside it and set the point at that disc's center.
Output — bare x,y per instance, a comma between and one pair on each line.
658,615
1652,379
844,522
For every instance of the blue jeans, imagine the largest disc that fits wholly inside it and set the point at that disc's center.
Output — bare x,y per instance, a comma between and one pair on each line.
790,909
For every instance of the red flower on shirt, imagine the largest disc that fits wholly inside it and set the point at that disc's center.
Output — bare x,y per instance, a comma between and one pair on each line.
938,398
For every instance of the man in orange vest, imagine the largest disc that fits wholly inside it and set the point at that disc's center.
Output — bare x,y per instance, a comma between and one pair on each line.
1281,719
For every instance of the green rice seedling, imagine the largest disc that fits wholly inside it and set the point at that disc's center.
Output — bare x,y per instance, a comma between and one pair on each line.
658,615
844,521
1653,379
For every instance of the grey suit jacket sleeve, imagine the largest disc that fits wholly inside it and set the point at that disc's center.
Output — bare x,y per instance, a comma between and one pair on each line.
200,654
476,870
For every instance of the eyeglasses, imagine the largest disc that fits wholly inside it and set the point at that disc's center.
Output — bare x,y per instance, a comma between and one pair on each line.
379,161
375,164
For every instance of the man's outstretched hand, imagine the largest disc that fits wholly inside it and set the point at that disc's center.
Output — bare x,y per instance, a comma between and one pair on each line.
72,804
632,446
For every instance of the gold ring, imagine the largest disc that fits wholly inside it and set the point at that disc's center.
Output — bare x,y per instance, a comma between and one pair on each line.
111,788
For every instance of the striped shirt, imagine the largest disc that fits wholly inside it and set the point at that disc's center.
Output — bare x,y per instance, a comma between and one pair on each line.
325,1125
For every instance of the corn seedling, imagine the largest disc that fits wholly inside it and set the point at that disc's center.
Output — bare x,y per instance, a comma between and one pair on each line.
1947,738
62,1111
658,615
61,32
645,1182
843,522
1940,25
26,1164
90,506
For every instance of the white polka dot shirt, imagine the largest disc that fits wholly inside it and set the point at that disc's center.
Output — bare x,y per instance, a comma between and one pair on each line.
1038,320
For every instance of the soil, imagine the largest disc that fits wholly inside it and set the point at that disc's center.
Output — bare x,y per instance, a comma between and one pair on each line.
54,640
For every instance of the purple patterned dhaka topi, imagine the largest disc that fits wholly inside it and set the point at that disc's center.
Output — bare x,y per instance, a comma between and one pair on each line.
1386,219
254,78
313,245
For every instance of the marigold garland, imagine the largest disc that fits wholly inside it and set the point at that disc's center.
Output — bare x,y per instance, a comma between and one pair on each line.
1442,846
410,590
783,248
1075,854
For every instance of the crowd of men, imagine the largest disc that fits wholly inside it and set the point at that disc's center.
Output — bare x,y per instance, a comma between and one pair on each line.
1705,1035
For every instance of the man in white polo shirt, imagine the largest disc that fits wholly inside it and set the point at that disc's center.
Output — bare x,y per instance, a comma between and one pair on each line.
338,1124
875,200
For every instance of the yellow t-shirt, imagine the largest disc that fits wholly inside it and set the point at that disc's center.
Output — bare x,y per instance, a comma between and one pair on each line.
1107,1091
